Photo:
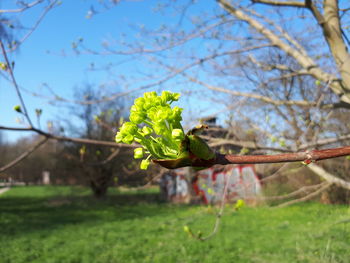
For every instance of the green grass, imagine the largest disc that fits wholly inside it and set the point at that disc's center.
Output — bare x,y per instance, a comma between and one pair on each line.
64,224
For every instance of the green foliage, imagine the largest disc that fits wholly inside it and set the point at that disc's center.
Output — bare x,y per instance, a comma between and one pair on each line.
64,224
157,127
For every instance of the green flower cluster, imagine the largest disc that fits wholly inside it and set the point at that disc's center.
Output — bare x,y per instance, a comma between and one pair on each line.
155,125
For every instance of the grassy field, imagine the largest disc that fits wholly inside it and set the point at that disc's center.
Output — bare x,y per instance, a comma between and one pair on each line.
64,224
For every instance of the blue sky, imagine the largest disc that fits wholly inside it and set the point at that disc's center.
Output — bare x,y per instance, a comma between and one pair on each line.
40,59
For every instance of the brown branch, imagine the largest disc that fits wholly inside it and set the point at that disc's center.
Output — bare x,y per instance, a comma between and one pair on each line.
252,95
23,155
107,160
308,197
70,139
214,142
279,3
324,142
308,156
19,10
304,61
329,177
293,194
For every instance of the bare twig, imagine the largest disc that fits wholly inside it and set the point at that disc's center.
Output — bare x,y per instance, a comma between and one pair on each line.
329,177
308,157
14,82
35,26
23,155
107,160
293,194
308,197
70,139
339,87
220,213
280,3
19,10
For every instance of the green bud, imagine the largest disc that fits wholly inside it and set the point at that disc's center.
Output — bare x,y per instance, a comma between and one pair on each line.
144,164
244,151
134,108
273,139
139,102
166,96
128,139
118,137
148,105
146,130
200,148
136,117
137,140
187,229
38,112
211,191
176,114
177,134
176,96
282,143
3,66
239,204
159,128
152,113
150,95
128,128
162,113
17,108
138,153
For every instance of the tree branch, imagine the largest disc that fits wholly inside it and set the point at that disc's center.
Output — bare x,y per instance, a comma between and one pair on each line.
14,82
70,139
293,194
308,197
329,177
279,3
23,155
304,61
19,10
307,157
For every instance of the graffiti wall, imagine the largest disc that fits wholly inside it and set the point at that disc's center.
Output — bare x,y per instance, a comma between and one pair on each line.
208,185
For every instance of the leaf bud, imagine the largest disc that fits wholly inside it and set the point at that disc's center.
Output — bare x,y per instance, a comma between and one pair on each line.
128,139
17,108
128,128
138,153
177,134
136,117
118,137
146,130
144,164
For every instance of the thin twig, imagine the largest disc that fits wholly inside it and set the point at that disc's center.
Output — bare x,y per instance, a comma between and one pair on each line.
308,197
14,82
107,160
23,155
19,10
220,213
